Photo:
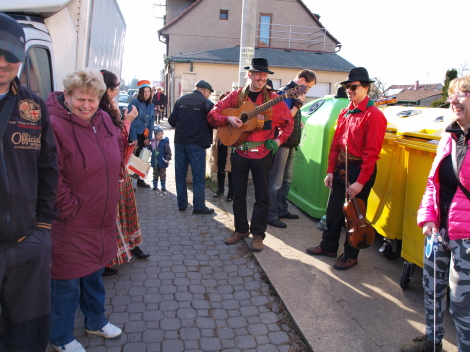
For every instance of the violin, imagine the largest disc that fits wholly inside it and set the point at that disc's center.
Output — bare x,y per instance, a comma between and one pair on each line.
360,232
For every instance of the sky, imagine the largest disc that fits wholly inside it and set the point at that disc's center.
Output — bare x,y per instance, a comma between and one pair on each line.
399,42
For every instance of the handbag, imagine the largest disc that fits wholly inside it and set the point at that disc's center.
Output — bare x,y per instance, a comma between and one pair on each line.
456,171
145,154
138,166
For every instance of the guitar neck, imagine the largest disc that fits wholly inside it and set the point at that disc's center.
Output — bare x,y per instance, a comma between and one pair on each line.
266,106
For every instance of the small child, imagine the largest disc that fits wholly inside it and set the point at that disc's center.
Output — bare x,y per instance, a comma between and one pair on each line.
161,155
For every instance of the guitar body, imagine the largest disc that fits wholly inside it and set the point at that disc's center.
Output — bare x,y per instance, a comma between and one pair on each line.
251,116
233,136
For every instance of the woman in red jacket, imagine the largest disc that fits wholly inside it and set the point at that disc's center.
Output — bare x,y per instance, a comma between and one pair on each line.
84,234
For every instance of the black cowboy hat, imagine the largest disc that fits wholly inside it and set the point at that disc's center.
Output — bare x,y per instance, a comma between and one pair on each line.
358,74
259,64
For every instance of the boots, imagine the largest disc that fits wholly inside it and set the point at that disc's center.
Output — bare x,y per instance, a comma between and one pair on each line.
421,344
163,183
141,183
155,185
220,185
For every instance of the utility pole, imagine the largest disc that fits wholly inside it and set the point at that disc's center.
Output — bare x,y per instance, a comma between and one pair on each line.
247,42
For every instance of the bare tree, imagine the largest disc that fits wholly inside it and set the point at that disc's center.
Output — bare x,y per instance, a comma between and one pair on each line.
377,89
464,68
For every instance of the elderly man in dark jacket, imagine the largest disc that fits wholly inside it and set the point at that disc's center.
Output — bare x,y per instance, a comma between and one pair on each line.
28,183
193,135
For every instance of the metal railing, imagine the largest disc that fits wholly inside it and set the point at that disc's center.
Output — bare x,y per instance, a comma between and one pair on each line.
292,36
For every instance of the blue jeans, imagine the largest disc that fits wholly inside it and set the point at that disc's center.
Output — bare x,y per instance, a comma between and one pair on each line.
280,178
194,155
66,296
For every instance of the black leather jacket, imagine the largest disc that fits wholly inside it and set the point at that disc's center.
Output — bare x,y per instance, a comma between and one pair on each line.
189,118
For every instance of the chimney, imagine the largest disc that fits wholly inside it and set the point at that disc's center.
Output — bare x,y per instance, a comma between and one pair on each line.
416,85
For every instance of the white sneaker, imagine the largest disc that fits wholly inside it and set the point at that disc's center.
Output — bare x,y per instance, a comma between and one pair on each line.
109,331
73,346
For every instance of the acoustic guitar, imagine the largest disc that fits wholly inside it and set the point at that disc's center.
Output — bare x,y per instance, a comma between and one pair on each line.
249,113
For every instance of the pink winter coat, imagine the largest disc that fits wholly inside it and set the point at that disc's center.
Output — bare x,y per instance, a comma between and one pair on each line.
459,211
84,234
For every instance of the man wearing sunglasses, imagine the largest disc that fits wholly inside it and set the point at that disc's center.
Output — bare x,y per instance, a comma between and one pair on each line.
28,182
357,140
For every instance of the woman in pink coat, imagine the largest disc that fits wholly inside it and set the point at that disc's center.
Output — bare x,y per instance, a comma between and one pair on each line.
445,210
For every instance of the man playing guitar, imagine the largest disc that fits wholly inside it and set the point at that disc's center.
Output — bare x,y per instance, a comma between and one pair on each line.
255,153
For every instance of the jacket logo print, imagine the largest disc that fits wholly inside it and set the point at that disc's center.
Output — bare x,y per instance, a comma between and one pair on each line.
30,110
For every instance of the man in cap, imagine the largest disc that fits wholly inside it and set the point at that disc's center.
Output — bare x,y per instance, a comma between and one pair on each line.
193,135
28,182
256,153
357,140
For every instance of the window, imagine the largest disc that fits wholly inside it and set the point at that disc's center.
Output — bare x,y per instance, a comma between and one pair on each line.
36,72
264,29
319,90
224,15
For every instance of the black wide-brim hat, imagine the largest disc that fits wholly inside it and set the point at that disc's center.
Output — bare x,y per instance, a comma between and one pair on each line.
259,64
358,74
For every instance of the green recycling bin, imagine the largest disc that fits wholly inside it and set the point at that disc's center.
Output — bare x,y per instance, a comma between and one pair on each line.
307,190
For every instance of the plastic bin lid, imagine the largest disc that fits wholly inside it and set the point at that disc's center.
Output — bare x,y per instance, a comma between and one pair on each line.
429,146
423,134
392,127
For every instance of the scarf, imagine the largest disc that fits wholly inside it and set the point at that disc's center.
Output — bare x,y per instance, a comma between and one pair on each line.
353,111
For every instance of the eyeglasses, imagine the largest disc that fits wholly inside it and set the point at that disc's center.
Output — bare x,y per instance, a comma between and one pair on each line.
459,95
351,86
309,85
9,57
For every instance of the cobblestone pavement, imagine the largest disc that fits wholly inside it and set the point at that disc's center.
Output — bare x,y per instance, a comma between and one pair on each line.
194,293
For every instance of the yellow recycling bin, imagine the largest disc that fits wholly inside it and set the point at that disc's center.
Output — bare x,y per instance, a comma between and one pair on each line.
386,202
386,205
419,154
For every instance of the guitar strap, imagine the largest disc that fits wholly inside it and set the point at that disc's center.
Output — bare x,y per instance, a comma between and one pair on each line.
268,114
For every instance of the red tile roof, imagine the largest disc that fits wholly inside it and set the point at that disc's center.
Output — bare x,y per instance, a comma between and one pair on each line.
421,87
416,95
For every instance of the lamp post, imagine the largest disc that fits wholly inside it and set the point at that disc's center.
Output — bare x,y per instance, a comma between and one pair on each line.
247,38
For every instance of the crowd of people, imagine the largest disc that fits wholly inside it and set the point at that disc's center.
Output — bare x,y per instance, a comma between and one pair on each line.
78,219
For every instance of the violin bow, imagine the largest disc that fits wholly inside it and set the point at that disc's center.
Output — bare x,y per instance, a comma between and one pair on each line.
346,180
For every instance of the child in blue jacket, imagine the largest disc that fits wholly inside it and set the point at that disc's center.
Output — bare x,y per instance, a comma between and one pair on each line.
161,155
